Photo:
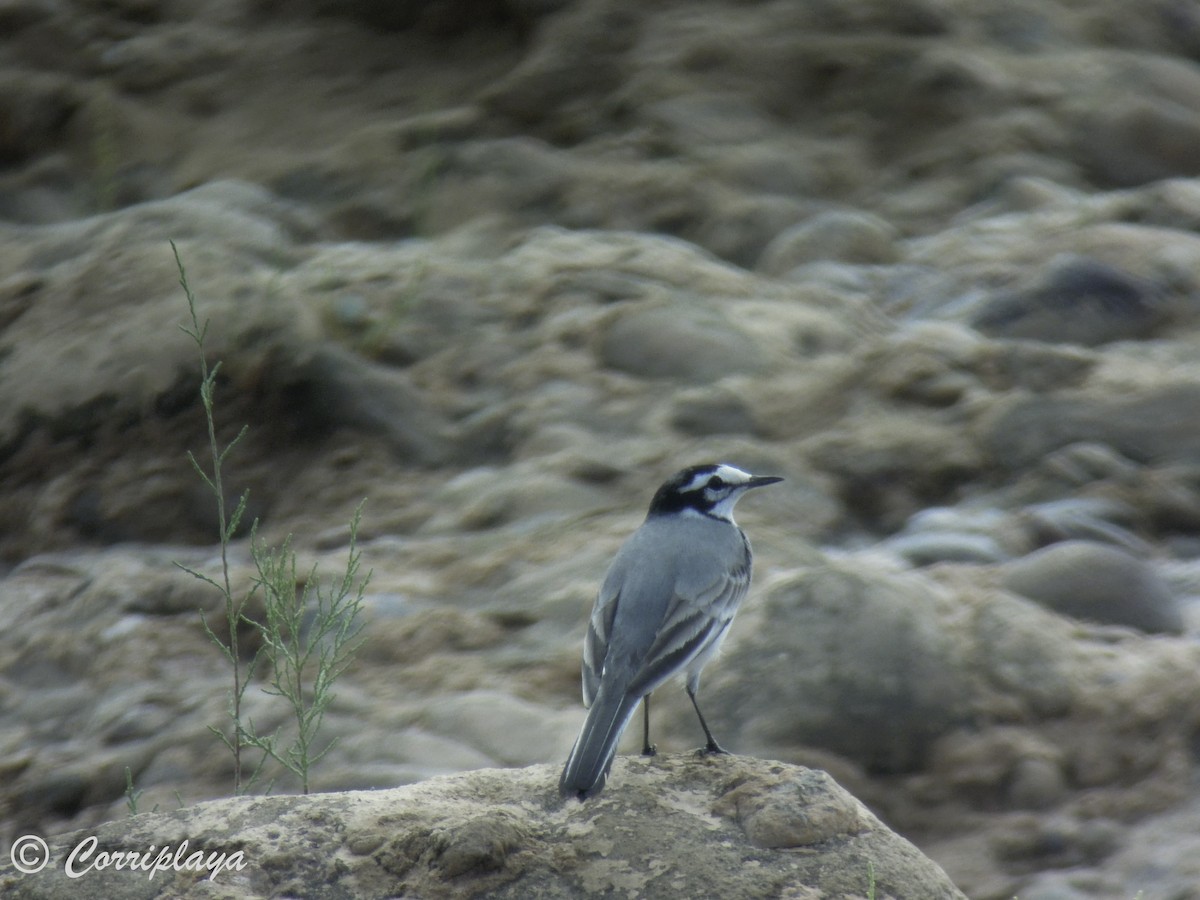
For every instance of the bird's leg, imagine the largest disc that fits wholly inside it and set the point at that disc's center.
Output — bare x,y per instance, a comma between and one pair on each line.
648,749
712,746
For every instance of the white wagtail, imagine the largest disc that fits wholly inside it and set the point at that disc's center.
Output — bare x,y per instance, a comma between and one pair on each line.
665,606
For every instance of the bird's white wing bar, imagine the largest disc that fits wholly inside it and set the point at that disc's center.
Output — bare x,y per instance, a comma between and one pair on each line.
595,644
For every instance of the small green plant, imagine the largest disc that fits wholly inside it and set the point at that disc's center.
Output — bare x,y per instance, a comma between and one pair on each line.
131,796
309,637
870,880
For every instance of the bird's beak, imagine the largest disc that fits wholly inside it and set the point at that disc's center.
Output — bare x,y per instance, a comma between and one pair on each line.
763,480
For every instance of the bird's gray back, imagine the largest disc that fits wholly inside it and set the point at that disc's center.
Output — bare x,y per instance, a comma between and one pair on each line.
664,561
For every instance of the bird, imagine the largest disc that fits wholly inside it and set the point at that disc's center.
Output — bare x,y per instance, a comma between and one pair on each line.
663,608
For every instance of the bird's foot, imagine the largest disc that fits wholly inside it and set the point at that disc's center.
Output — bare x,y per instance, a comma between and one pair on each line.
712,748
650,750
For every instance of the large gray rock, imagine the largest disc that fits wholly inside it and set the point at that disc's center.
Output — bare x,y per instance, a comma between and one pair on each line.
1078,300
852,661
673,826
1096,582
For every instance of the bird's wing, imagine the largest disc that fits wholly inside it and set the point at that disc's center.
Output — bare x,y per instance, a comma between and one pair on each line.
632,602
595,644
691,623
668,593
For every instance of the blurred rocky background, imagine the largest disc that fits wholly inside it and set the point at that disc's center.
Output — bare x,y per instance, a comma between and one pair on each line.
500,267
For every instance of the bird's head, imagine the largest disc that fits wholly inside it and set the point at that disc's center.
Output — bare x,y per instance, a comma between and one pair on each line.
710,490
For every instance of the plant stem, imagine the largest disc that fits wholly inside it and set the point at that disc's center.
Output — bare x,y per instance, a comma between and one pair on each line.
226,524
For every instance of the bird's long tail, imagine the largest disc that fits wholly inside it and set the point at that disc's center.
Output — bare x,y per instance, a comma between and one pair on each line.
587,767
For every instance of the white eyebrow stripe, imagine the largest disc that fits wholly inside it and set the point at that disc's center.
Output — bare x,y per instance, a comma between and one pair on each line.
732,474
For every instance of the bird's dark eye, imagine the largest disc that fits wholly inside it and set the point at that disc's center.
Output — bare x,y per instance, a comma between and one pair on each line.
716,482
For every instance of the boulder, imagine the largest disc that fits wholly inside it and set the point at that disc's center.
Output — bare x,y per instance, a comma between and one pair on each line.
667,827
1096,582
852,660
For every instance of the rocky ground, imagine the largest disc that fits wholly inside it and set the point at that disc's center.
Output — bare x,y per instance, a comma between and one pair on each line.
500,268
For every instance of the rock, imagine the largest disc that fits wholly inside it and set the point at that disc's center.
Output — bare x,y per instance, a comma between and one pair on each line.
980,532
746,828
1008,765
716,410
1141,139
1163,855
837,235
1055,842
1148,428
1096,582
1079,301
1038,368
869,673
952,534
1025,656
929,548
330,388
1099,520
678,341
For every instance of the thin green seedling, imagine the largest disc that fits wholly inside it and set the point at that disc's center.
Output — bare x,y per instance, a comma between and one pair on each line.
131,796
236,739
